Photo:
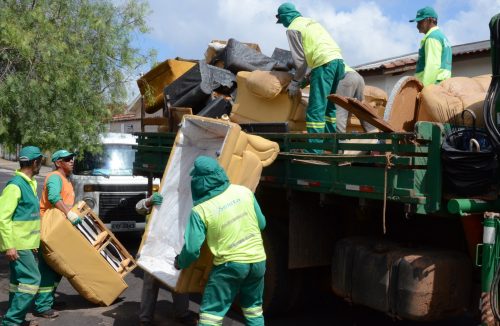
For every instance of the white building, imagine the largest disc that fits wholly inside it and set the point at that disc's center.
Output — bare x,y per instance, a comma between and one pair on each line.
469,60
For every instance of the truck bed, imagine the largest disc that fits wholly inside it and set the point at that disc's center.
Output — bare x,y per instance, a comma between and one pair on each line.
403,167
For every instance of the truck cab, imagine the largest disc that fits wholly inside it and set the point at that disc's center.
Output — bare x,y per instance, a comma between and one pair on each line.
106,183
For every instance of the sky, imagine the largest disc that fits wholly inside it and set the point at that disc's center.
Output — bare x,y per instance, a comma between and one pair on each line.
366,31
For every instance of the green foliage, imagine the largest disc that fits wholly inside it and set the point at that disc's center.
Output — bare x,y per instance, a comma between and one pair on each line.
64,65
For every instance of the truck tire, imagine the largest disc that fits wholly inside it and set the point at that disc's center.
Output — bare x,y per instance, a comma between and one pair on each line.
282,287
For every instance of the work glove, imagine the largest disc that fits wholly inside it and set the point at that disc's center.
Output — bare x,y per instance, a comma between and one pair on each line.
156,199
293,88
74,218
176,263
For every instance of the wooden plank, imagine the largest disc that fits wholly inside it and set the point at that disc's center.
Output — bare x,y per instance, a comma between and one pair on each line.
362,111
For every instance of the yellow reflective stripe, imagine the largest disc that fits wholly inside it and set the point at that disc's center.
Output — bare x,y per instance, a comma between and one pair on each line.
315,124
252,312
13,287
27,288
45,289
209,319
330,119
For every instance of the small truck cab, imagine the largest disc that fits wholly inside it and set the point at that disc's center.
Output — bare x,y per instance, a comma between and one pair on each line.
106,183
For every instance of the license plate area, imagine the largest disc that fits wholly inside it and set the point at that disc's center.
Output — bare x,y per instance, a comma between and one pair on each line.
117,226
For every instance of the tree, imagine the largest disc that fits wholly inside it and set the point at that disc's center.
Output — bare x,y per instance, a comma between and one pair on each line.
64,65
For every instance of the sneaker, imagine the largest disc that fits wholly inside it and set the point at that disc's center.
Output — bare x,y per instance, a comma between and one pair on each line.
51,313
190,319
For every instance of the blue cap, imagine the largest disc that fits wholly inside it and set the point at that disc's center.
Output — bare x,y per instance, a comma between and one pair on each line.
29,153
60,154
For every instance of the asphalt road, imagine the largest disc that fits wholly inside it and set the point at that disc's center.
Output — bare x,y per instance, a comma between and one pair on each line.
316,308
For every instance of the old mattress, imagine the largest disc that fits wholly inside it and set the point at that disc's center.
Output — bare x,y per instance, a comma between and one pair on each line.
242,156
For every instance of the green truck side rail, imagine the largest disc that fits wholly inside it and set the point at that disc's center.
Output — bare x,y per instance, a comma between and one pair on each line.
403,167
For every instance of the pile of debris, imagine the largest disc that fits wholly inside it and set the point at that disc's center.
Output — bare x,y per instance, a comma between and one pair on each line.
235,80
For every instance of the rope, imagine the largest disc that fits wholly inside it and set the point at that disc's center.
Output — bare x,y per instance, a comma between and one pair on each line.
388,165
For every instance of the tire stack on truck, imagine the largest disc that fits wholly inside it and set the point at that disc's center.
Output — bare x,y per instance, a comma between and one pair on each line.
370,213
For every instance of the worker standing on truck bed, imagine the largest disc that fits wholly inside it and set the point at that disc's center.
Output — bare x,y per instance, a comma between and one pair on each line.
352,85
434,55
312,46
231,220
57,192
20,235
150,286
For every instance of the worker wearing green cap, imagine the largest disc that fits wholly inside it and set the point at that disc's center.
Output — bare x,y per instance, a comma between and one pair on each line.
20,235
434,55
313,47
57,193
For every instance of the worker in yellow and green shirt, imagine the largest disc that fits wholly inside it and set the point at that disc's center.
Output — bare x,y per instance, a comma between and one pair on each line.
20,235
434,55
313,47
230,219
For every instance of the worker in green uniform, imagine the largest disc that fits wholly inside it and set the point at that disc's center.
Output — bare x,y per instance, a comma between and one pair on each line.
312,46
57,193
229,217
434,55
20,235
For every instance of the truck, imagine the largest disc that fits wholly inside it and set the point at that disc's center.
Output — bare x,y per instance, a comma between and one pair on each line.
106,183
381,225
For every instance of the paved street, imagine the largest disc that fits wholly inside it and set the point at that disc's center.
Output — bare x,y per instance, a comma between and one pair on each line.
315,309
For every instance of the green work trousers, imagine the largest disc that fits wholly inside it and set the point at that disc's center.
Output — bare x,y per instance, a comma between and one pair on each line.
225,282
48,284
320,113
24,281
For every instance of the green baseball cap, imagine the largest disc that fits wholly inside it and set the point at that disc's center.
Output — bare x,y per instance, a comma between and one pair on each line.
60,154
426,12
29,153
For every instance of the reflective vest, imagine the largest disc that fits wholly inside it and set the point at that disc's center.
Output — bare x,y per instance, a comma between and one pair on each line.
233,232
444,70
26,217
319,47
67,193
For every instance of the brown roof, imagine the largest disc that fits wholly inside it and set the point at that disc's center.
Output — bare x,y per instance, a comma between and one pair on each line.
408,61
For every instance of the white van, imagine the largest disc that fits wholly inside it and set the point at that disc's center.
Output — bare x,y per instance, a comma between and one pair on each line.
105,182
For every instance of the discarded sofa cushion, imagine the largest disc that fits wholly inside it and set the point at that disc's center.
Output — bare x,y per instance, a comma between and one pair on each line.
240,57
267,84
445,102
216,107
214,54
242,156
152,83
249,108
194,88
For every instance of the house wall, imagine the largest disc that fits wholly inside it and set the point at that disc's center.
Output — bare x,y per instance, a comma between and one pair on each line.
466,68
131,125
